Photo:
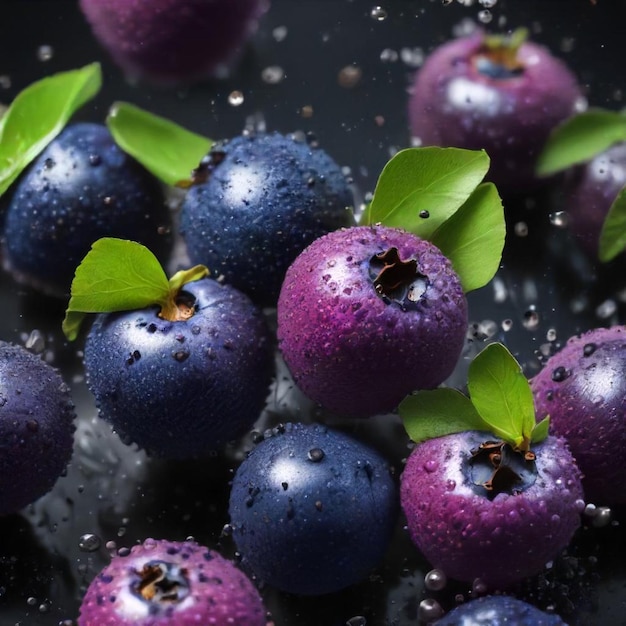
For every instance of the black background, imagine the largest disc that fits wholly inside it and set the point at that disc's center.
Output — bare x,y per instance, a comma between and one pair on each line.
122,497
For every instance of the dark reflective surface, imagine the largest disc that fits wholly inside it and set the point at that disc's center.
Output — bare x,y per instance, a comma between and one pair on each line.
545,291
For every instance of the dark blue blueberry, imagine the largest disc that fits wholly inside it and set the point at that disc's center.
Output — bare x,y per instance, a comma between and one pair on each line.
498,611
185,388
266,199
312,509
81,187
36,427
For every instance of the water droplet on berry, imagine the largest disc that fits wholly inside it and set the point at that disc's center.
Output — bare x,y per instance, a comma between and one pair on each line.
315,455
431,466
89,542
429,610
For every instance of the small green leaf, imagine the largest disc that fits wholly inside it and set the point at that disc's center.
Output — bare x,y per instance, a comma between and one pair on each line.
579,139
38,114
540,430
473,238
164,148
438,412
115,275
613,233
432,181
502,395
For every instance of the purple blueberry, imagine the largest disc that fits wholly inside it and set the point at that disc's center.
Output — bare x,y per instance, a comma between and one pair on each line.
171,583
583,390
312,509
476,93
36,427
182,389
589,192
498,610
173,42
81,187
501,535
266,198
368,314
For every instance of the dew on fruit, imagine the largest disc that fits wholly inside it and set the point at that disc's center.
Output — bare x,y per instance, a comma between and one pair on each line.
431,466
429,609
435,580
315,455
559,374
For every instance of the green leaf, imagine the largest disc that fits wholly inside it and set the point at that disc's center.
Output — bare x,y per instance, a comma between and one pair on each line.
502,395
438,412
433,180
613,233
540,430
164,148
38,114
579,139
473,238
115,275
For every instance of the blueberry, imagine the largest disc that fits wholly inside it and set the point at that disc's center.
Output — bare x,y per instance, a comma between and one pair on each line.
368,314
474,93
266,198
500,610
182,389
36,427
583,390
80,188
173,42
312,509
173,583
589,190
499,535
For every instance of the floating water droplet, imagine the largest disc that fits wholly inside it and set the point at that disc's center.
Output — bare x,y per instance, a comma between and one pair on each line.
388,56
435,580
606,309
531,319
507,324
89,542
602,517
35,342
485,16
551,334
378,13
413,57
559,219
5,81
349,76
235,98
45,53
273,74
279,33
429,610
488,4
521,229
357,620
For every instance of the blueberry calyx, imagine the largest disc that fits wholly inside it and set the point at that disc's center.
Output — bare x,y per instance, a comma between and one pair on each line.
161,583
396,280
496,467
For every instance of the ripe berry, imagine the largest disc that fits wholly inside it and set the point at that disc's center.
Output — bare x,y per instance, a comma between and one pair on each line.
312,509
266,198
504,96
171,583
499,535
583,389
36,427
368,314
175,387
173,41
81,187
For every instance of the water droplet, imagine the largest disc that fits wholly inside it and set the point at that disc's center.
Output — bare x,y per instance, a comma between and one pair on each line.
450,485
35,342
479,588
357,620
521,229
488,4
507,324
424,214
589,349
602,517
95,159
273,74
431,466
235,98
429,610
45,53
181,355
485,16
378,13
388,56
279,33
531,319
315,455
349,76
606,309
560,219
551,334
559,374
435,580
89,542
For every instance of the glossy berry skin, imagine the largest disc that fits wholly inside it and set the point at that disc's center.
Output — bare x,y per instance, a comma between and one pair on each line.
500,610
358,352
171,583
583,389
267,197
499,540
589,191
182,389
312,509
81,187
461,98
173,42
36,427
